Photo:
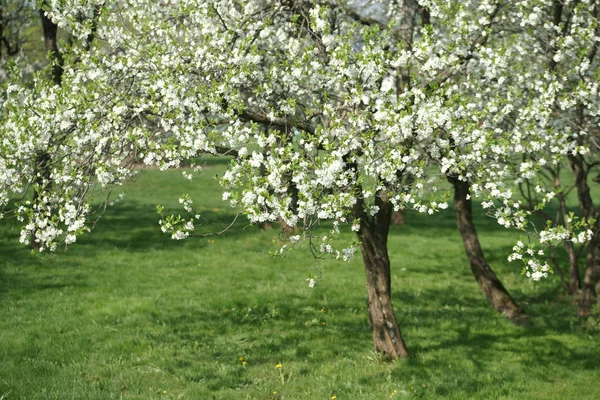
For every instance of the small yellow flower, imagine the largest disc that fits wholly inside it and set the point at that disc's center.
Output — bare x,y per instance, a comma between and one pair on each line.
164,392
212,241
324,322
278,365
244,362
241,358
274,392
423,385
333,397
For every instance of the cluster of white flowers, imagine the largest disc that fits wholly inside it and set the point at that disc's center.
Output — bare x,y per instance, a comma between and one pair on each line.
533,267
536,270
177,227
346,254
186,202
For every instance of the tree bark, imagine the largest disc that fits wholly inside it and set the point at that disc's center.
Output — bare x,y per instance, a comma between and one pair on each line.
2,39
586,206
294,194
373,235
493,288
589,279
51,43
43,177
574,279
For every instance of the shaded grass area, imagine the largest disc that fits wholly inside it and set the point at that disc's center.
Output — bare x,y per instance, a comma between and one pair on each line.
128,313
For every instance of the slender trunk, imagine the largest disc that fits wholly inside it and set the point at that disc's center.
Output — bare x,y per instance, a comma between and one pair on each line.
43,175
398,217
493,288
373,235
2,40
589,280
598,288
267,226
42,185
586,206
574,279
51,42
558,269
294,194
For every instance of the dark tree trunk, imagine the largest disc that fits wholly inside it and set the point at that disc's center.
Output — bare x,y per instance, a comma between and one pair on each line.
294,194
43,177
42,185
3,40
51,43
586,206
373,235
589,279
574,278
493,288
267,226
398,216
598,287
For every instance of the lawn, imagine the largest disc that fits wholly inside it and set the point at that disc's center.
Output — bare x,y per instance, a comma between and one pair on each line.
128,313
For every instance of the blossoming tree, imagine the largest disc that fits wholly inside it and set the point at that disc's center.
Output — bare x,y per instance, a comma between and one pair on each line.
353,104
556,130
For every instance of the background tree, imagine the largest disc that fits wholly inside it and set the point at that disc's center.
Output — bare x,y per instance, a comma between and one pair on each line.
17,43
556,130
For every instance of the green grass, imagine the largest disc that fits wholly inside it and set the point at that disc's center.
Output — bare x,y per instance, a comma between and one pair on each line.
128,313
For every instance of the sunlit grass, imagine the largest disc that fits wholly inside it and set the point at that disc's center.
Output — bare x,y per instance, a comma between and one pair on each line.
128,313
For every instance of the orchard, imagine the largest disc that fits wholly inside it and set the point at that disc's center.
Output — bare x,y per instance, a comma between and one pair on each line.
333,115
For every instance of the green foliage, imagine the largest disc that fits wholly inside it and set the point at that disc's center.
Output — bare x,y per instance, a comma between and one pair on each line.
130,314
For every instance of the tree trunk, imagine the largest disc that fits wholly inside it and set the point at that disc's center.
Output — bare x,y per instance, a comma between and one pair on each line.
493,288
267,226
574,279
294,194
51,43
42,185
586,206
2,40
598,288
398,217
43,177
373,234
386,334
589,280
